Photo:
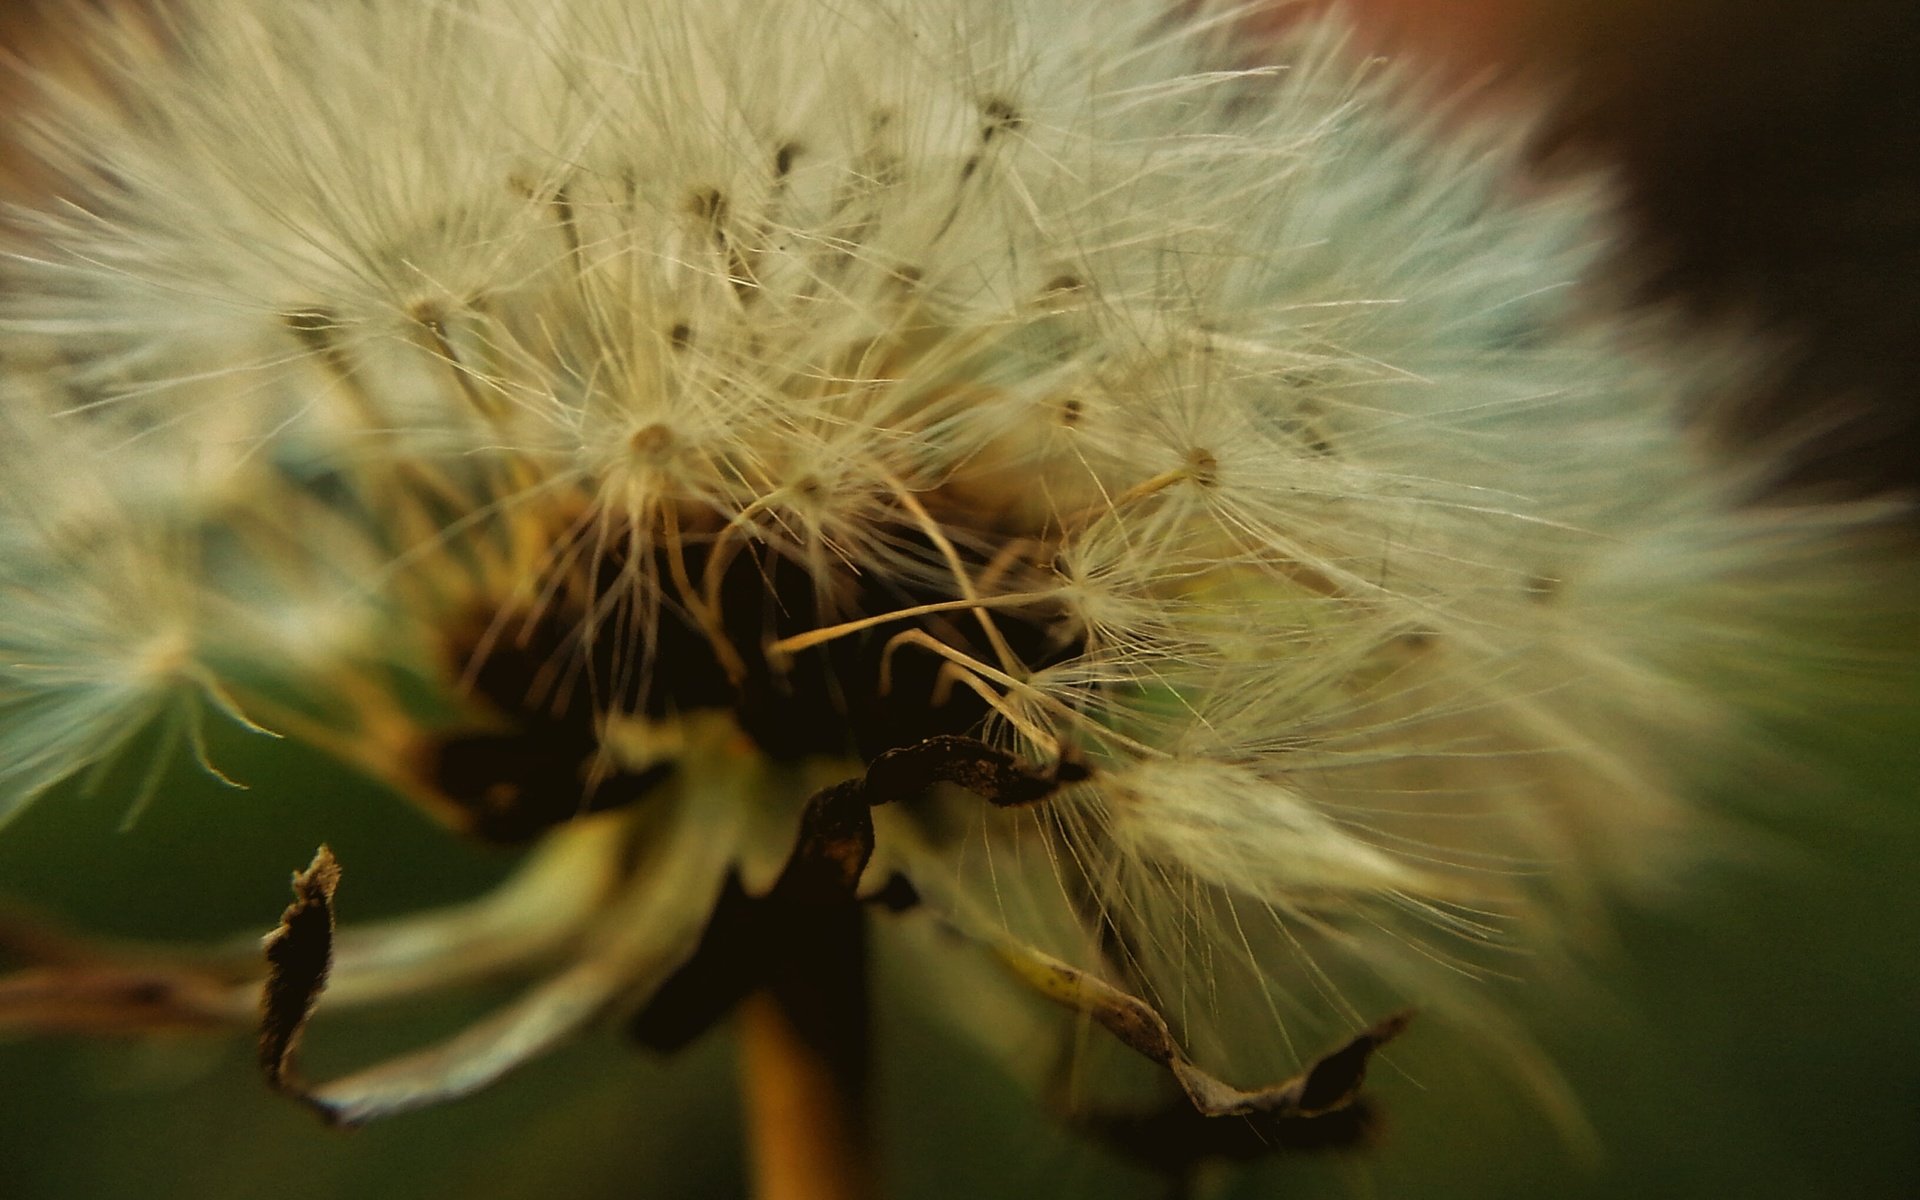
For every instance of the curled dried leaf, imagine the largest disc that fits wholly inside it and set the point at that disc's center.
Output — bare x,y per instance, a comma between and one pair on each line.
649,927
299,956
996,776
753,941
1330,1084
834,845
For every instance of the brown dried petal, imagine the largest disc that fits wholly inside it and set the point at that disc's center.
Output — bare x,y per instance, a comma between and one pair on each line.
754,941
994,775
299,956
1330,1084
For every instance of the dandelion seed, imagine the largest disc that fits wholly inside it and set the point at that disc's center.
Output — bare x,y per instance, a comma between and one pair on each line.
1181,518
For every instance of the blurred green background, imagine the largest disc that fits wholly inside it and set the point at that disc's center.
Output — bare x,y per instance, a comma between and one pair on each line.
1755,1038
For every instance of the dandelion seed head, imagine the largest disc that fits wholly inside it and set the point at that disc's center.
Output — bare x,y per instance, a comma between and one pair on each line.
751,390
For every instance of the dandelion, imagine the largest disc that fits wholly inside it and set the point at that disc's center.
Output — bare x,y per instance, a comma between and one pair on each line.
1183,518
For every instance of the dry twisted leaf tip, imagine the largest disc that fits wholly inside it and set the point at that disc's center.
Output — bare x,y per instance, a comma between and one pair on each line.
299,955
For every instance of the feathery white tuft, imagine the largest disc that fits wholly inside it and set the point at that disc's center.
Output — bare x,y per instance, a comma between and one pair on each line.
1350,526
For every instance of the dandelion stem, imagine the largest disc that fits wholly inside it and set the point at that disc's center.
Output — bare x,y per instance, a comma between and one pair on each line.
804,1055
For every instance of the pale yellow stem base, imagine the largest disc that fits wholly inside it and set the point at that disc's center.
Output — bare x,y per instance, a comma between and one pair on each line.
803,1115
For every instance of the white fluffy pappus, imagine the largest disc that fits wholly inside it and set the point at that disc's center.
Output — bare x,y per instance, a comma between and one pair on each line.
749,389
